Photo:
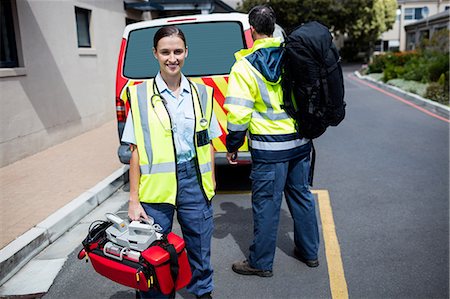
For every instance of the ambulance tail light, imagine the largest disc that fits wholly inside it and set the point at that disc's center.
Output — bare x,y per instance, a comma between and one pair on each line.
120,110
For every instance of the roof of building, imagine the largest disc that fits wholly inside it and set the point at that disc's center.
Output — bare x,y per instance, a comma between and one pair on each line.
421,1
443,17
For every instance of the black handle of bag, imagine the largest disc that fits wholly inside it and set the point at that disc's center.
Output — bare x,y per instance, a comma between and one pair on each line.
174,267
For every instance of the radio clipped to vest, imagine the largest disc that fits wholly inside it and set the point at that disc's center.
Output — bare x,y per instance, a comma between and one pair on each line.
136,254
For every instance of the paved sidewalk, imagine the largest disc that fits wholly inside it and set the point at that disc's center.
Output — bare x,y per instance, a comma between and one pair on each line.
44,195
33,188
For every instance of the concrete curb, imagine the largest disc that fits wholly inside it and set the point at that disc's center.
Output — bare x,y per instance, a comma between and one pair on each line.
20,251
427,104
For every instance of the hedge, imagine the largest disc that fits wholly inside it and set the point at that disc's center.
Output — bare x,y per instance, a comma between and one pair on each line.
429,64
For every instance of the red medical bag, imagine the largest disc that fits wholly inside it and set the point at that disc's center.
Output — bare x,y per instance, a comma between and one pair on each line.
157,267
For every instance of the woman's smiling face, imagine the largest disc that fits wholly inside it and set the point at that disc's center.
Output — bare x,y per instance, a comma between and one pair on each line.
170,53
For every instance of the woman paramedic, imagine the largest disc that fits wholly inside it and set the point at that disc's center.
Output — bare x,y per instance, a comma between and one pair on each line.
170,129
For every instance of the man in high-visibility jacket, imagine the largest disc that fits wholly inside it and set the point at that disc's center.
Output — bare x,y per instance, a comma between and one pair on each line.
281,158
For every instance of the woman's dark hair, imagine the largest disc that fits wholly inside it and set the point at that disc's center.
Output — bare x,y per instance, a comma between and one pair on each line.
168,31
262,18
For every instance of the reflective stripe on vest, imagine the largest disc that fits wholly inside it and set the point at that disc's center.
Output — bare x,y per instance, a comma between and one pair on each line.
270,115
277,146
203,109
143,113
277,142
169,167
156,148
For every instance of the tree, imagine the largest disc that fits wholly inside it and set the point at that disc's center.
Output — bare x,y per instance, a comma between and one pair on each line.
362,20
372,22
291,13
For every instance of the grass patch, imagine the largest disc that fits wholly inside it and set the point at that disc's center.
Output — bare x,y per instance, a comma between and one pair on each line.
376,76
411,86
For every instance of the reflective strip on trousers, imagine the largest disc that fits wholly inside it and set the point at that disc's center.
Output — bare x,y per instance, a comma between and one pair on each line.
277,146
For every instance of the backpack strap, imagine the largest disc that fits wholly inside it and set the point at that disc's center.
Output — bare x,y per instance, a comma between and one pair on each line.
333,66
287,86
313,162
324,82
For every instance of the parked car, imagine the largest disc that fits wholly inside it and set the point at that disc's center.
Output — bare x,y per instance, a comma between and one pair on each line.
212,41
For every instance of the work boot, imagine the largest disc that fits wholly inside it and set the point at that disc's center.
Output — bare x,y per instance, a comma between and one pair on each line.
205,296
309,263
245,269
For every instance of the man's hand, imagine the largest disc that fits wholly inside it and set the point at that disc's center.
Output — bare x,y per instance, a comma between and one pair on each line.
231,157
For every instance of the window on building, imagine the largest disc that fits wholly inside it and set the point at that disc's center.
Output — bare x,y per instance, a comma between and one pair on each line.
447,7
378,46
8,46
83,19
415,13
424,34
392,45
410,41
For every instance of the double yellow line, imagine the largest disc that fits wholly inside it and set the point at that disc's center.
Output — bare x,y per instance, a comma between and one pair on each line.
338,284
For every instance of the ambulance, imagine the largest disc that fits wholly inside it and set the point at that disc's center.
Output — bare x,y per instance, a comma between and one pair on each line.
212,40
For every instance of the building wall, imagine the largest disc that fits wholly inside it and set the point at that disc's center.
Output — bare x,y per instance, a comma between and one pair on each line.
59,90
233,3
397,33
425,28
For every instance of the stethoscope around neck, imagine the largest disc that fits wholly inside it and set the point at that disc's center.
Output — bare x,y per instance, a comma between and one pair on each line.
159,97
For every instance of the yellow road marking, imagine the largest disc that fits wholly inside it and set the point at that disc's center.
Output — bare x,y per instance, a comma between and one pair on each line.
338,284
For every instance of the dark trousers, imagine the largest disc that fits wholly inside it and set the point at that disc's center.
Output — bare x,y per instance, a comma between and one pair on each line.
195,216
269,181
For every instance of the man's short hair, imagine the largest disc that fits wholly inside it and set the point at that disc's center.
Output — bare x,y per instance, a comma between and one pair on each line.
262,18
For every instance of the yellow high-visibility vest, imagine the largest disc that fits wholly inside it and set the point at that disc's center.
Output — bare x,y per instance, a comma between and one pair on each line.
259,112
156,147
254,103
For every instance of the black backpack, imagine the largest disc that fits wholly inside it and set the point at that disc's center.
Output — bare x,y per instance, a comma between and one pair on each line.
313,84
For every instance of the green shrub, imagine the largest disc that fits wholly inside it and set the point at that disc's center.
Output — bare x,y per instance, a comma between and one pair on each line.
394,63
437,92
400,58
412,71
378,64
400,71
389,73
443,79
416,69
438,65
444,82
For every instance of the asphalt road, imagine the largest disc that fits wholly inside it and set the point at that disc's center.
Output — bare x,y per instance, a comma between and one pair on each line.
386,171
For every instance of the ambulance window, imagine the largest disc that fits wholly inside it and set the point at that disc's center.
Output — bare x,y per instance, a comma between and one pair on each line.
211,49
